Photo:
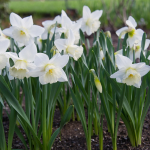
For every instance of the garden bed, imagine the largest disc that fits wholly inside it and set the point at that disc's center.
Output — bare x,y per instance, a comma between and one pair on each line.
73,138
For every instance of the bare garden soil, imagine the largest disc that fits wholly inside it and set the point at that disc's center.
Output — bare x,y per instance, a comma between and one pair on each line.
72,136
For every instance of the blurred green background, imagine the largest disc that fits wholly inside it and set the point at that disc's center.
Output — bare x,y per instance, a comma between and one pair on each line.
115,12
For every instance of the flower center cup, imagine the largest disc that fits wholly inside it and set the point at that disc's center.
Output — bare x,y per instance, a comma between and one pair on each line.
131,33
22,32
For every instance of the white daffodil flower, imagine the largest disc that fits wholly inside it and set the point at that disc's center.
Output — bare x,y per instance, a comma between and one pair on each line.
90,21
129,73
49,25
23,30
4,44
133,33
68,46
67,25
24,63
50,70
137,48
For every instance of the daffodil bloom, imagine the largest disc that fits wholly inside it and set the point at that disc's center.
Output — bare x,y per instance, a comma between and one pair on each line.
50,70
24,63
137,49
133,33
96,81
129,73
67,25
4,44
49,25
90,21
23,30
68,46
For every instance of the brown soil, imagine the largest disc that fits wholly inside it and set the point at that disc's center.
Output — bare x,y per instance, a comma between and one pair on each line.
72,136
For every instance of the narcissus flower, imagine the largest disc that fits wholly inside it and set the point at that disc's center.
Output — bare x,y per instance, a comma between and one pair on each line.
129,73
96,81
133,33
22,30
137,48
50,70
67,25
69,47
49,25
90,21
24,63
4,44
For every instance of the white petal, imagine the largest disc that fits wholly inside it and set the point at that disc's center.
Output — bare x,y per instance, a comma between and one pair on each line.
37,72
147,42
35,31
137,84
3,60
122,61
60,44
139,33
63,77
131,22
4,44
57,19
63,13
44,35
28,53
118,32
86,12
41,59
66,22
96,14
119,74
8,31
131,41
15,20
27,22
13,56
78,53
142,68
59,60
71,38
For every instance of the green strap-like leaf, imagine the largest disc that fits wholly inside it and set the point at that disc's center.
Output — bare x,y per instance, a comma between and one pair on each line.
15,104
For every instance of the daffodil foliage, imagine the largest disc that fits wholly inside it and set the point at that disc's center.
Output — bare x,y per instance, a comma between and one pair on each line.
56,66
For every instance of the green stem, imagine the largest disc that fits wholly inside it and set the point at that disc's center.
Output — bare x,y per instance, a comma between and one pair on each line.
114,142
95,124
73,117
100,137
89,143
44,98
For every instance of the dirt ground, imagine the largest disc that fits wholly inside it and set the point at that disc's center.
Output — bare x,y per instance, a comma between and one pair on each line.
72,136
